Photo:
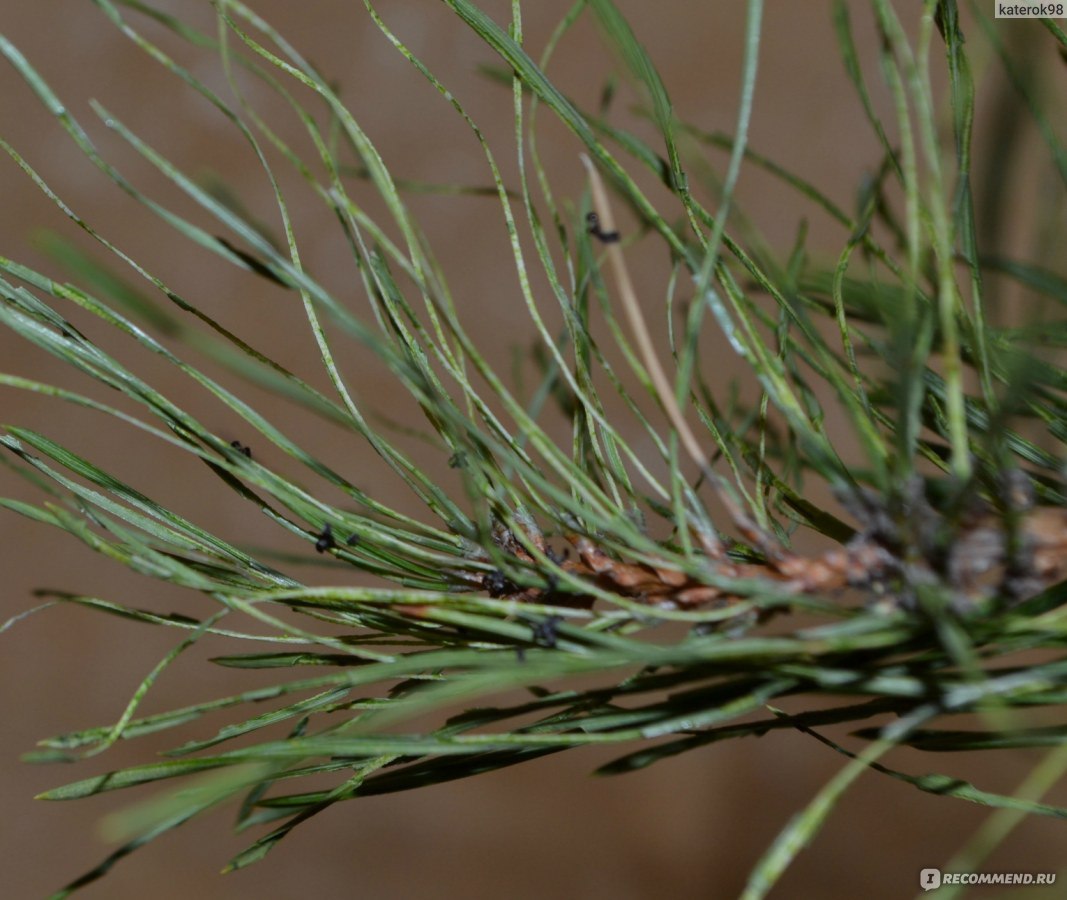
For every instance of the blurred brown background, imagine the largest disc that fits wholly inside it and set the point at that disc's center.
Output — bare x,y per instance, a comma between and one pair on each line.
686,828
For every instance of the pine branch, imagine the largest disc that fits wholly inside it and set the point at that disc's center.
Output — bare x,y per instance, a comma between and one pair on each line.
548,563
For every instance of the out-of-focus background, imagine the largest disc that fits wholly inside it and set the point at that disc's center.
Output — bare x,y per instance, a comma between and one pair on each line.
686,828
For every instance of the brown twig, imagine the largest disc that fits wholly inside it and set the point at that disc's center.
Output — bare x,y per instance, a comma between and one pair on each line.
978,564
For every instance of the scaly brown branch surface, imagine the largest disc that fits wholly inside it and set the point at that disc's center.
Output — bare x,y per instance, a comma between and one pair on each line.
975,560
